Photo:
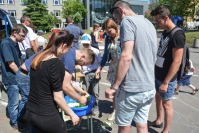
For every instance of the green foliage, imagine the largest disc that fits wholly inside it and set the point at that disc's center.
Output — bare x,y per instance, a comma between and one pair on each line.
185,8
190,37
75,9
39,16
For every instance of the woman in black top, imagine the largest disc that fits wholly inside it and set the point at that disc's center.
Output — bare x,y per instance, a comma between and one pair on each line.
46,78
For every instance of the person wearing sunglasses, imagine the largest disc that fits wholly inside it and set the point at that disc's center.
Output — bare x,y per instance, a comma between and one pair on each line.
134,86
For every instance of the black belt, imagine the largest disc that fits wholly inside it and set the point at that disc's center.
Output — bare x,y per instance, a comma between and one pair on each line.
93,71
23,71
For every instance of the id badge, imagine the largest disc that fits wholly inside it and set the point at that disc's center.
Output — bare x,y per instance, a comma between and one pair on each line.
160,61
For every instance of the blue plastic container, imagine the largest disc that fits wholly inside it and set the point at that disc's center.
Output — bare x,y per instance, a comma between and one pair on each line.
81,111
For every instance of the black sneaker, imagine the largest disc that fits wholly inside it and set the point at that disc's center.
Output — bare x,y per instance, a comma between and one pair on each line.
154,124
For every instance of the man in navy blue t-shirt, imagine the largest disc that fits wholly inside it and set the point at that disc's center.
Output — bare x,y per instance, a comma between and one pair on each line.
80,57
75,30
10,62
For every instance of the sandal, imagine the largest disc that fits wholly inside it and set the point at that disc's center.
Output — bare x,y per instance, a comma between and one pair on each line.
194,92
176,92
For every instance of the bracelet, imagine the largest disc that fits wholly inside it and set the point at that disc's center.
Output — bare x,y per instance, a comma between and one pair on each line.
113,88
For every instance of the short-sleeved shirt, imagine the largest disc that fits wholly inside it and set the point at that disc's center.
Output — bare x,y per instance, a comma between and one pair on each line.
45,80
164,55
29,37
140,76
9,51
69,60
76,31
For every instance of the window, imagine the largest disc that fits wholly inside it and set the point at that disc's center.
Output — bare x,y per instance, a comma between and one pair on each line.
56,2
1,1
12,12
44,2
10,1
24,2
57,13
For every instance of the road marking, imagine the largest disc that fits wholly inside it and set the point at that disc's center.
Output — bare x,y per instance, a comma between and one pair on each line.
3,103
196,75
188,105
103,83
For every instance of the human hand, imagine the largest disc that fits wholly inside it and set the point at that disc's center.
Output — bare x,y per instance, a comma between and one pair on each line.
163,88
109,93
83,100
83,93
97,73
75,119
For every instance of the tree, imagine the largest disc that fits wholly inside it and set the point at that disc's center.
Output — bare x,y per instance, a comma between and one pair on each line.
39,16
184,8
75,9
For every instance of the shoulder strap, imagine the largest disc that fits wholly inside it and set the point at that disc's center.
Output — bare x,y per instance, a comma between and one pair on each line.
174,30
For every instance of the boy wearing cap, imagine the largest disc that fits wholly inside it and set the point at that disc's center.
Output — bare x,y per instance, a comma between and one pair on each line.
91,80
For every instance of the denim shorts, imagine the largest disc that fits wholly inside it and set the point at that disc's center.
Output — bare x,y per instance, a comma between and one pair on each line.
184,81
131,106
170,90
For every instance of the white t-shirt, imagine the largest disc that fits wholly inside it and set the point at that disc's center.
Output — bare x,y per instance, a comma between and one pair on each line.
29,37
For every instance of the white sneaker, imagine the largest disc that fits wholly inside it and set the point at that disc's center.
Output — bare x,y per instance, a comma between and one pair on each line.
112,116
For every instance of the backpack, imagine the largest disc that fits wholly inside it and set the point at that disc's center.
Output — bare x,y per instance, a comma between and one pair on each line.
185,59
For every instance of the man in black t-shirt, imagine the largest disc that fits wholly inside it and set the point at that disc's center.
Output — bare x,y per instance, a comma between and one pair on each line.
169,58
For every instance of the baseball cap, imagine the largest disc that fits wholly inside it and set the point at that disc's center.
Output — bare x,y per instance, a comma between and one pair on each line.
40,31
86,38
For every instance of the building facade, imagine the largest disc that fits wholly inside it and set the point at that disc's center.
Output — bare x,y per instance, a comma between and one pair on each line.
98,10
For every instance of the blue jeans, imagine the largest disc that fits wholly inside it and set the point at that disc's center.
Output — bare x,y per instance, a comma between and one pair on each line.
13,101
170,90
92,85
23,83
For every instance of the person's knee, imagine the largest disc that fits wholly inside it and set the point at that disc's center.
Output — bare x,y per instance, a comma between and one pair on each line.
167,105
141,126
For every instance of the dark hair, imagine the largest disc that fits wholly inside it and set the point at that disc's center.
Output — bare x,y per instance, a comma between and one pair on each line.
24,18
20,27
120,4
55,41
162,11
69,19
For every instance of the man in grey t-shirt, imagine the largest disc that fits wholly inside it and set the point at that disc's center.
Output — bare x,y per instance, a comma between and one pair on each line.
134,83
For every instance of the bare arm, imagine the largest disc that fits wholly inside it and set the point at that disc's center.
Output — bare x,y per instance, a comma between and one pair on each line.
69,90
13,66
97,37
177,59
124,62
59,99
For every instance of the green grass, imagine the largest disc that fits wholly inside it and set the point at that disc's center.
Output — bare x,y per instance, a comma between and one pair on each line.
190,37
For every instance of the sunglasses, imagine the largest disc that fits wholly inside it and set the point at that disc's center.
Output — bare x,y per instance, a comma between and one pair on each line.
113,8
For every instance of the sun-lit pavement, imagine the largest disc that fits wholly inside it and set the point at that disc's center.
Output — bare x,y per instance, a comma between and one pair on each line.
186,109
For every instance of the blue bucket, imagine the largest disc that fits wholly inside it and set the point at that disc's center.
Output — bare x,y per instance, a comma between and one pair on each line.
81,111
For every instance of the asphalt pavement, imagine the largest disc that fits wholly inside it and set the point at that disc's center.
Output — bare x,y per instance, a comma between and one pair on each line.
185,119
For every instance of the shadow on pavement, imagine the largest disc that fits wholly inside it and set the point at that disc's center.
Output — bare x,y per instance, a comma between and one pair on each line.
98,127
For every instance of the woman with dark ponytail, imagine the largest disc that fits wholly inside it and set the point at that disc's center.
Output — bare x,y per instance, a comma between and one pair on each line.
46,76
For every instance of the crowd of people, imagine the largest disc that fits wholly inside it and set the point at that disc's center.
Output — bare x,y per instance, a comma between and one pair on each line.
132,52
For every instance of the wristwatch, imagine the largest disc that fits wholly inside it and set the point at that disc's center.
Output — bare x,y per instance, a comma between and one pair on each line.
113,87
